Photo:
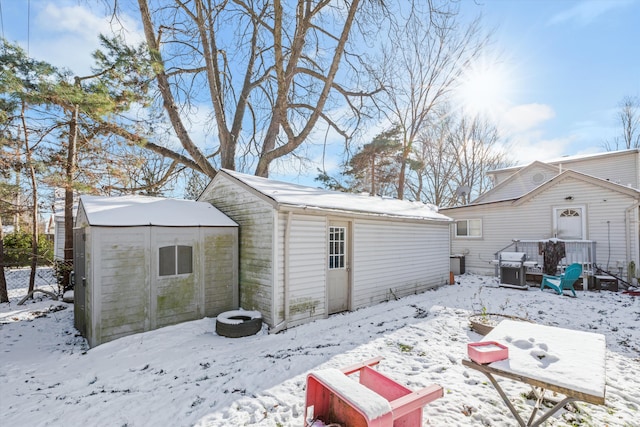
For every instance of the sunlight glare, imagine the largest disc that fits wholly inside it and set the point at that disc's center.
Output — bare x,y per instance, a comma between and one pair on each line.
484,90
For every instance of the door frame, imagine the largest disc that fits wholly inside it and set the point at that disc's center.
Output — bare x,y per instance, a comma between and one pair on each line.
338,222
583,218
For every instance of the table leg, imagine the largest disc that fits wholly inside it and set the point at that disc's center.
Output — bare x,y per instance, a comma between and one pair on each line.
539,400
514,411
552,411
505,398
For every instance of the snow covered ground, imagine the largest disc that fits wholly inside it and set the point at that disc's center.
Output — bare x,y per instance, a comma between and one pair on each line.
187,375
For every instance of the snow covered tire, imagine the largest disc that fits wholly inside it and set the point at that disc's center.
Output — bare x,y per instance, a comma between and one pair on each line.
238,323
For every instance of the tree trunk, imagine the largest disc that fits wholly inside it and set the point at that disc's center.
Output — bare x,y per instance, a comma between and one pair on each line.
169,103
34,201
68,198
270,152
4,297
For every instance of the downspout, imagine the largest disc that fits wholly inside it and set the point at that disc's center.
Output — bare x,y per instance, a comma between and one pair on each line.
628,217
285,265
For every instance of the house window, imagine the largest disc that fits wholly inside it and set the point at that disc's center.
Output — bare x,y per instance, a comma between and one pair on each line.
174,260
336,247
469,228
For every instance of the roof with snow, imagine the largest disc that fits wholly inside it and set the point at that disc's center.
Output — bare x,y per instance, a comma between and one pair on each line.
145,210
566,159
309,197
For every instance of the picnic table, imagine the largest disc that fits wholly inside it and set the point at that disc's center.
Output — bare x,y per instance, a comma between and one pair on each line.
550,359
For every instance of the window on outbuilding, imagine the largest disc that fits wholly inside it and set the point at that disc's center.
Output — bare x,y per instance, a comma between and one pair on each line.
174,260
469,228
336,247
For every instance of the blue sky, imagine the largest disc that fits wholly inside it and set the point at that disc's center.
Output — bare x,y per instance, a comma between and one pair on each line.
563,68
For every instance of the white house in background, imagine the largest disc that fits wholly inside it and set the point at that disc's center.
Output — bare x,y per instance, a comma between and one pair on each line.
591,202
57,222
141,263
306,253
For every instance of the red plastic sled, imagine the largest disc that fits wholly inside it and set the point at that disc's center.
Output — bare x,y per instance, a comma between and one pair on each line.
374,400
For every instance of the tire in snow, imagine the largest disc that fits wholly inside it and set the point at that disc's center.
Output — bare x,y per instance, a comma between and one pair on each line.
238,323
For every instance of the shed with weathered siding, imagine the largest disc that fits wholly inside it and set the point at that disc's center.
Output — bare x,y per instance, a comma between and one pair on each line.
141,263
306,253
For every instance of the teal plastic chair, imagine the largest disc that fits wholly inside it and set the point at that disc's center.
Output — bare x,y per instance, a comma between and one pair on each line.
564,281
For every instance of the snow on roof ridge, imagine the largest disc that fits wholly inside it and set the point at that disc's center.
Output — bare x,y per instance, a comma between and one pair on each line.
305,196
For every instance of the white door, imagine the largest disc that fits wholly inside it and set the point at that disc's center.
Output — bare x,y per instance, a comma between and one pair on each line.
570,223
338,266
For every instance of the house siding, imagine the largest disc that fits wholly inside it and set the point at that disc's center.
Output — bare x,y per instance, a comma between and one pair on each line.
620,168
256,239
395,259
523,182
533,220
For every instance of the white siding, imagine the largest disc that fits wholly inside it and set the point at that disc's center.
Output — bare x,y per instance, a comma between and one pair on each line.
533,220
58,238
620,168
255,217
306,265
395,259
521,183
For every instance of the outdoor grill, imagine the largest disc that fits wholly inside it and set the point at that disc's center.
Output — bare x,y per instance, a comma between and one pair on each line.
512,267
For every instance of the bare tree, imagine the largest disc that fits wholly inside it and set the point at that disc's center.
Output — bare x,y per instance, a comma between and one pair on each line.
629,119
454,153
421,63
434,164
474,142
268,70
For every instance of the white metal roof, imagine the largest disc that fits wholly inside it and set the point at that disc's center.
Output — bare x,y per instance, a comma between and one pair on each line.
145,210
303,196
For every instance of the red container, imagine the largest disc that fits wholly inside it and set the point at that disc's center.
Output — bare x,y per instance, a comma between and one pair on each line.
487,351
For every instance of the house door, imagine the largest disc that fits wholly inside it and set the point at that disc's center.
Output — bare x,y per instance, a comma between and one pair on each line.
79,288
338,266
569,223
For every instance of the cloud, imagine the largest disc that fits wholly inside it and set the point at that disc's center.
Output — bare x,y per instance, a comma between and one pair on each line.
525,117
525,148
584,13
67,34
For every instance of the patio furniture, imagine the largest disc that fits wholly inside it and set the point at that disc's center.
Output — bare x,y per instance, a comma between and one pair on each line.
548,359
374,400
564,281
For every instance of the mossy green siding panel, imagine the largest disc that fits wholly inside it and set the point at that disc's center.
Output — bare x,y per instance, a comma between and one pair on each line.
255,217
123,294
126,295
220,270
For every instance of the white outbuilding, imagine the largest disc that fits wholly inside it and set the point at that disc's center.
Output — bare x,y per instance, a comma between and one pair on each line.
141,263
306,253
